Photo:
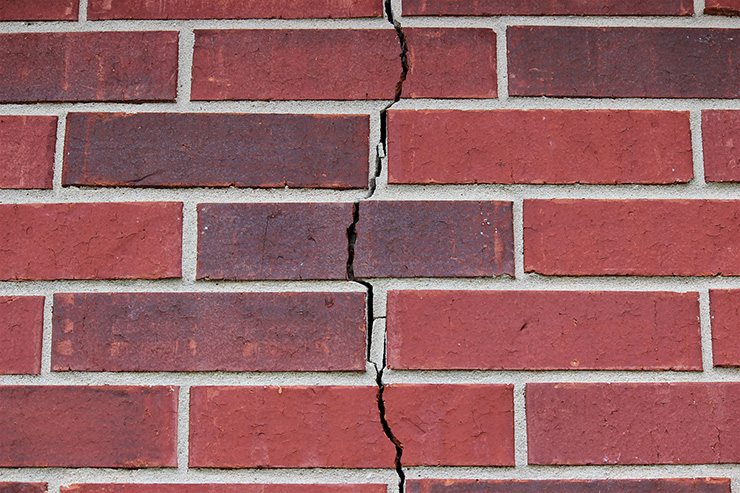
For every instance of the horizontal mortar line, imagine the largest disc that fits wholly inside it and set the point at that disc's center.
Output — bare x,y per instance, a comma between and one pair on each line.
290,107
606,471
702,21
569,103
198,195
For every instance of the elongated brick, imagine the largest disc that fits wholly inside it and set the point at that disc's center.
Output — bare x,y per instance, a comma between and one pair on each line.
221,150
225,488
39,10
721,141
232,9
452,425
434,239
619,62
290,426
548,7
128,427
724,305
285,64
23,487
543,330
722,7
679,485
633,423
141,240
273,241
209,332
27,151
632,237
88,66
21,331
539,146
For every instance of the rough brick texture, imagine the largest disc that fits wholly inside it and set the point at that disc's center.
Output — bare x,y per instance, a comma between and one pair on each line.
96,241
27,151
221,150
23,487
725,321
287,427
640,62
543,330
548,7
39,10
58,67
539,146
225,488
702,485
209,332
721,143
129,427
21,328
722,7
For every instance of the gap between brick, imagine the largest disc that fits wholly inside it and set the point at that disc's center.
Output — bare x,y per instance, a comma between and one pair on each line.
380,153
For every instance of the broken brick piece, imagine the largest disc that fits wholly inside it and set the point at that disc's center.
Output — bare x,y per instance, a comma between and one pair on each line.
724,305
21,332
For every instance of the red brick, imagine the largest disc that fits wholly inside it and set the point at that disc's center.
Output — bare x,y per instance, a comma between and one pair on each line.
543,330
232,9
209,332
225,488
623,62
721,139
539,146
39,10
696,485
129,427
722,7
273,241
23,487
90,241
89,66
450,63
299,427
27,151
548,7
285,64
434,239
221,150
632,237
725,308
452,425
633,423
21,331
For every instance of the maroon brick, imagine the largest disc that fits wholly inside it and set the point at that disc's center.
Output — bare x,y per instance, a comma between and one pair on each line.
129,427
90,241
273,241
633,423
27,151
450,63
548,7
722,7
543,330
679,485
632,237
216,150
287,427
623,62
539,146
23,487
21,331
232,9
209,332
725,309
39,10
225,488
721,138
452,425
434,239
287,64
88,66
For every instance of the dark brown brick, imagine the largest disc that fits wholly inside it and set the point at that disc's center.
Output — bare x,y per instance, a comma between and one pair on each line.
39,10
209,332
216,150
273,241
88,66
722,7
548,7
623,62
27,145
434,239
696,485
21,331
721,141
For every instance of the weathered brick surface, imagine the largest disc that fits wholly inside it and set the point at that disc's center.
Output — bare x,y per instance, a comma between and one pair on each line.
434,239
273,241
23,487
618,62
88,66
722,7
209,332
128,427
539,146
699,485
90,241
21,327
452,425
225,488
221,150
287,427
543,330
725,321
721,142
231,9
27,151
633,423
39,10
549,7
632,237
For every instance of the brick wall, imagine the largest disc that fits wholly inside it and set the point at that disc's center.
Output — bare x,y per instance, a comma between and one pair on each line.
430,246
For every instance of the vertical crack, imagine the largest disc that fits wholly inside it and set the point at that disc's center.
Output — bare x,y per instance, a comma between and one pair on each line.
387,428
